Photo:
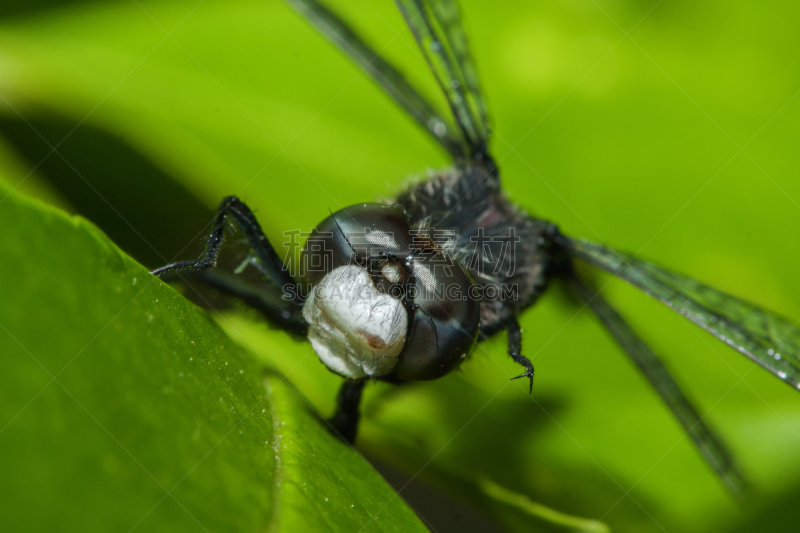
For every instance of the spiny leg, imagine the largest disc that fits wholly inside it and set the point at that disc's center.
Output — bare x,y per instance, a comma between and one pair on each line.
268,262
345,420
515,350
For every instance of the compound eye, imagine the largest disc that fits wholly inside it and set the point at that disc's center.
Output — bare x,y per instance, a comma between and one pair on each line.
368,231
445,321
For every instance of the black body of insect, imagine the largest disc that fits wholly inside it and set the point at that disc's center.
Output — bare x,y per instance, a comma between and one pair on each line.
391,322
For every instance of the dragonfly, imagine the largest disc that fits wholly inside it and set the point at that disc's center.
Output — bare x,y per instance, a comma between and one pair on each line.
369,298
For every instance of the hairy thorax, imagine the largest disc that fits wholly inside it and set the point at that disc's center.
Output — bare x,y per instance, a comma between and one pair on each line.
506,251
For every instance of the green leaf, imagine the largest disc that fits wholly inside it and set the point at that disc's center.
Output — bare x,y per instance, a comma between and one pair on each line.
124,407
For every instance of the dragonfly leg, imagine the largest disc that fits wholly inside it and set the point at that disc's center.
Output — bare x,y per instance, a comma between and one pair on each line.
515,350
266,259
345,420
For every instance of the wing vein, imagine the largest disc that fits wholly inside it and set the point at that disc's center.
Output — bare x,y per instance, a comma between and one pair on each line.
766,338
382,72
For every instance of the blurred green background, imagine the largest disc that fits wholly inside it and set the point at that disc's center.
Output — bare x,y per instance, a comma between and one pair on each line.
668,129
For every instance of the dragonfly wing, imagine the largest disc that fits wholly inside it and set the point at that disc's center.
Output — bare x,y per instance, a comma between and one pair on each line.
768,339
386,75
436,25
708,443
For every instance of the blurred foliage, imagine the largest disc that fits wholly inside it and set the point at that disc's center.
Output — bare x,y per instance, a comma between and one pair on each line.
677,142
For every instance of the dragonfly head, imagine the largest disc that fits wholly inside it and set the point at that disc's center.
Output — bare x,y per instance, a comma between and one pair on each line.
381,300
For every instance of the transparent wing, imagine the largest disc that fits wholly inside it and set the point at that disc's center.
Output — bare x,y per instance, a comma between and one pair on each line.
387,76
767,338
708,443
436,25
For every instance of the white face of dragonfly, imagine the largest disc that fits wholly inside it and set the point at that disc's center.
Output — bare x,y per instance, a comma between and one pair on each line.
356,331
